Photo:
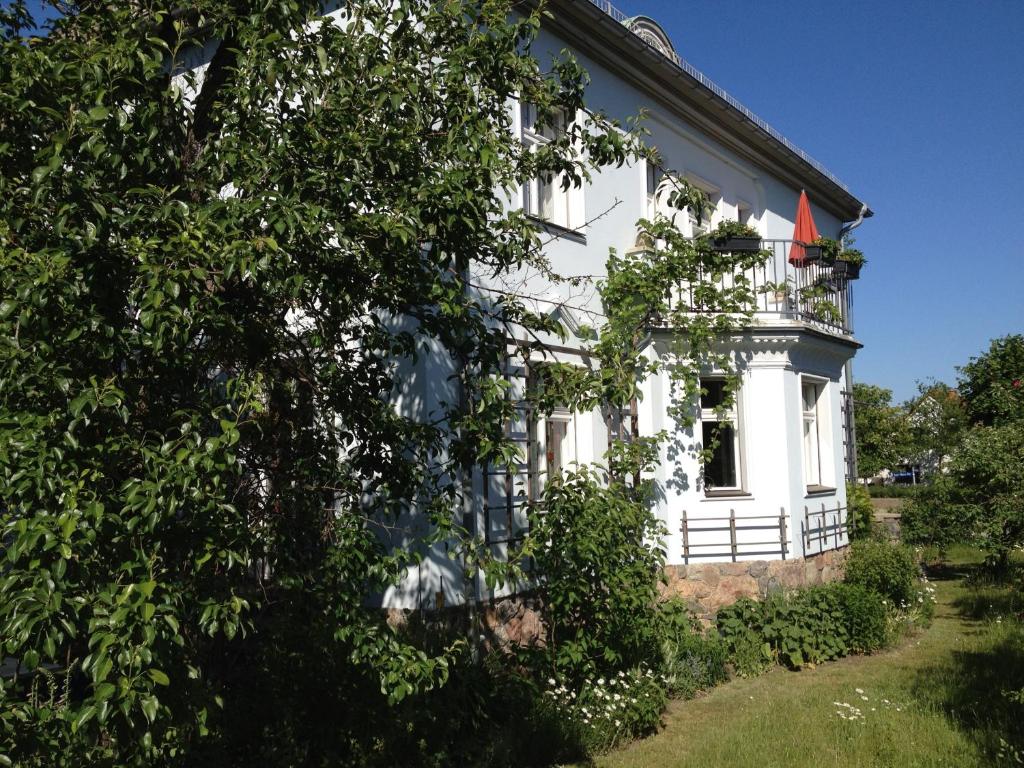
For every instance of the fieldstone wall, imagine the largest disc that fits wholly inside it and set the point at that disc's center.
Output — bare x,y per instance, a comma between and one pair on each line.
503,623
515,621
708,586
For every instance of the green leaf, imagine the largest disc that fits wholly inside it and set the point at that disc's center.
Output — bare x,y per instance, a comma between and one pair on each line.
82,717
104,691
150,705
159,677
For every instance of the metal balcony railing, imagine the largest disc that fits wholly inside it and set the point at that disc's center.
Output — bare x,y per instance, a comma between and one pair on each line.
815,294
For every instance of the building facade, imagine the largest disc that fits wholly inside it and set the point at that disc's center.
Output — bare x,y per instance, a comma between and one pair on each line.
775,487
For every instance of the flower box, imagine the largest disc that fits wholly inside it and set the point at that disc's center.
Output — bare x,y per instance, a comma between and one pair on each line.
812,254
736,244
849,270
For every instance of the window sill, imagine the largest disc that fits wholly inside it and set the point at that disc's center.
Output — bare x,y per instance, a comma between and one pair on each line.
819,490
727,493
558,231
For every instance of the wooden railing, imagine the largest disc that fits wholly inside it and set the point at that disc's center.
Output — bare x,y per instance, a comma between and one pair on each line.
825,525
732,543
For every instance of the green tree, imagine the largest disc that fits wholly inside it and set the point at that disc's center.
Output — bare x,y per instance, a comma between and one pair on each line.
881,428
980,499
936,419
992,384
197,268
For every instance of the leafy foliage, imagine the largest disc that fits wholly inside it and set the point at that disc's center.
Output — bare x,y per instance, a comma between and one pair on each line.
805,627
829,249
937,419
728,228
199,268
599,588
853,256
861,511
992,384
881,429
691,660
981,500
889,569
605,712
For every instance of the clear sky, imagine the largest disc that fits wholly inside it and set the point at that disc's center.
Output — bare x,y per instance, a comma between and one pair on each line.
918,106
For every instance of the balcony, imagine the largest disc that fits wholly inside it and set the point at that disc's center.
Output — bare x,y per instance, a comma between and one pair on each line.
815,295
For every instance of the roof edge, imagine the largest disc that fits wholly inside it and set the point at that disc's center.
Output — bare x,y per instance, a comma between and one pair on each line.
599,29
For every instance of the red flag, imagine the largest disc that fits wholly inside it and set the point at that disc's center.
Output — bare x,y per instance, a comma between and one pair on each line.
804,233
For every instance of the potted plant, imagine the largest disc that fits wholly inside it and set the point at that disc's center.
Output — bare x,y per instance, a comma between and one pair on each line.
848,264
828,248
733,237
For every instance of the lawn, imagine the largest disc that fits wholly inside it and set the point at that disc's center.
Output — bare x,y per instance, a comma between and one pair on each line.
937,700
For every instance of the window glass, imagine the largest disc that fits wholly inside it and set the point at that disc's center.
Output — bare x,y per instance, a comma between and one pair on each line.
720,469
653,180
712,393
720,433
548,197
812,443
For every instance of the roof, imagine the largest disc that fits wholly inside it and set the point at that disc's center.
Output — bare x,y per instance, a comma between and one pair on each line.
636,49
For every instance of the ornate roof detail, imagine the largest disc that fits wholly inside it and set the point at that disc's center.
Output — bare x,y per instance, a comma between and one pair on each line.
648,30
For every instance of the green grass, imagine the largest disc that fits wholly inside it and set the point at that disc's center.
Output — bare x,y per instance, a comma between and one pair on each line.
947,683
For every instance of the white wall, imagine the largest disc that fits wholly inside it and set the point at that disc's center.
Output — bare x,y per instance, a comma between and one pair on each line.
773,359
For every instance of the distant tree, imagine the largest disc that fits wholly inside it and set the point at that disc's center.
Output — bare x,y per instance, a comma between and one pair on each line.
981,499
936,419
882,429
992,384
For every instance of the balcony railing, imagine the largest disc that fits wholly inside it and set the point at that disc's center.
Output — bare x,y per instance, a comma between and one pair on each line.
814,294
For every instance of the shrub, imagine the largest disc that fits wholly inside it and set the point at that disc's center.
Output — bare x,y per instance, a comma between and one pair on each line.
607,711
894,491
804,627
861,513
887,568
748,653
691,660
591,541
864,616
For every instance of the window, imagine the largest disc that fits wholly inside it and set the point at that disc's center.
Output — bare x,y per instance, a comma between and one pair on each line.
744,214
550,198
553,448
720,431
653,180
710,217
815,434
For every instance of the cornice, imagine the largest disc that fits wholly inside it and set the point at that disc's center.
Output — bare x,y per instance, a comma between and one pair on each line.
588,29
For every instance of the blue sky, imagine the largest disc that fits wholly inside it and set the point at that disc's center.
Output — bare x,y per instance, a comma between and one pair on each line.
919,108
917,105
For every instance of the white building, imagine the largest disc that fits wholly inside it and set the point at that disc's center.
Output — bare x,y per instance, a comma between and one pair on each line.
776,487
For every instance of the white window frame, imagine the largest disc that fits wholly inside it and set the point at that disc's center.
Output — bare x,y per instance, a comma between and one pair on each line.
714,196
733,417
745,214
547,199
540,467
653,177
816,435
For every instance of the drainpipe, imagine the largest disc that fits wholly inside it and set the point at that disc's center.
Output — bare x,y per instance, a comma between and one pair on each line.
848,368
854,224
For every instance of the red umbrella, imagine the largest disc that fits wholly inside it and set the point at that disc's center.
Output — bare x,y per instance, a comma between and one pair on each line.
804,233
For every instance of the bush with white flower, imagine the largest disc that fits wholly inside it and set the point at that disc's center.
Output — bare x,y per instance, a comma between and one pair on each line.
610,710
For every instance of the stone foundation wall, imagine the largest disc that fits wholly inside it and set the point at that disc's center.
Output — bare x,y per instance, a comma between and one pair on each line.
708,586
504,623
516,620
